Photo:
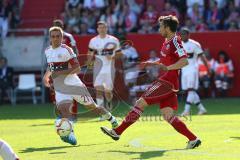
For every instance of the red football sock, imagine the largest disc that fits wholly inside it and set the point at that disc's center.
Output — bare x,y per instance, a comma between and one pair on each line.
132,117
74,108
181,128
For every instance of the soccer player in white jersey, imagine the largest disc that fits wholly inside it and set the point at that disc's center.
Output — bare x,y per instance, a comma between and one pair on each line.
63,68
189,78
6,151
105,48
69,40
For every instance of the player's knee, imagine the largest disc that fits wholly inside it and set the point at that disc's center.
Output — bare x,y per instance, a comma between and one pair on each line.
167,116
64,109
141,103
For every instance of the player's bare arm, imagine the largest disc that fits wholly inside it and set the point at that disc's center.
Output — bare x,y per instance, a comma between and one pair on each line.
46,78
204,60
178,65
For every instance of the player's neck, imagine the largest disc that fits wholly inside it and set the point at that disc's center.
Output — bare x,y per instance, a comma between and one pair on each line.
102,35
170,36
56,46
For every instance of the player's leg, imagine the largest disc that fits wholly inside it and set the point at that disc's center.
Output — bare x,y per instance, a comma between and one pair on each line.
86,99
6,152
197,101
131,118
98,85
186,85
74,110
64,109
108,88
99,95
151,96
168,106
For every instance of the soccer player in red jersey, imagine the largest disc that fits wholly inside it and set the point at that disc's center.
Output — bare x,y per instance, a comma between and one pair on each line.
163,91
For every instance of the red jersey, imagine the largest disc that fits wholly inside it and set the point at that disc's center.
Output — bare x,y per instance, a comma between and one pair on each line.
172,50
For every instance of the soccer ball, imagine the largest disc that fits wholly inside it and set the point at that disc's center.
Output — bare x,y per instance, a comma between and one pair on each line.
63,127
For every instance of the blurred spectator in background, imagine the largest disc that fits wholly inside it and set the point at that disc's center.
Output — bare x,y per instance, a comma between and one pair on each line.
205,78
169,10
127,19
5,17
148,20
213,16
110,18
93,4
232,16
189,24
195,14
223,73
6,78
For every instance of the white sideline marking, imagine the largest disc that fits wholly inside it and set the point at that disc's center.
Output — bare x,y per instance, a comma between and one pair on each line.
228,140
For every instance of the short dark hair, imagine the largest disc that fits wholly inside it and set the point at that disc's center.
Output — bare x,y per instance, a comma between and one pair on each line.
4,59
58,23
102,23
169,21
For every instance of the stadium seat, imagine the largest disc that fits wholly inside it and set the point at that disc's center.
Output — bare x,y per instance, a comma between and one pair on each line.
26,83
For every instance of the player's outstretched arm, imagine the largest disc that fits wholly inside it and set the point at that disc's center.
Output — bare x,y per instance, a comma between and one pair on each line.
46,78
178,65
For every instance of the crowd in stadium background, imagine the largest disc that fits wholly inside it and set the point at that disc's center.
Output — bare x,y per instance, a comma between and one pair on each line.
80,16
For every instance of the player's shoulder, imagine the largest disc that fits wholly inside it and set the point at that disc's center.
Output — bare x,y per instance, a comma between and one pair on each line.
112,37
66,48
48,49
67,34
194,42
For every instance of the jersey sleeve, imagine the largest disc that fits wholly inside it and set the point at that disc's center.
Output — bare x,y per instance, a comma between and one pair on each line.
90,45
198,49
118,47
178,48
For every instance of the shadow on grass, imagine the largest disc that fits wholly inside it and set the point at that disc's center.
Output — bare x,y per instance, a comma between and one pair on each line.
57,153
38,125
236,138
32,149
147,154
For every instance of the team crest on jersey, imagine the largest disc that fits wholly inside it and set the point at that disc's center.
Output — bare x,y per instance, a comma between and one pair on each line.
168,46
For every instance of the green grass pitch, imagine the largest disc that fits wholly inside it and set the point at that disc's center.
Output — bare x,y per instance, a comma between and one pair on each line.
30,131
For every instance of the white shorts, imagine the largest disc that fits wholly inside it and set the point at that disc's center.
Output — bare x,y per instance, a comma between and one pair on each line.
190,80
104,79
82,99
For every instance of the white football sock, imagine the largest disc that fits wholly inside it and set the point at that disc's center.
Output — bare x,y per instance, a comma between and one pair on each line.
99,101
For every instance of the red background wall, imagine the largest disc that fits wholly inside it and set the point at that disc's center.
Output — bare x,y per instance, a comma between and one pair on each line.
215,41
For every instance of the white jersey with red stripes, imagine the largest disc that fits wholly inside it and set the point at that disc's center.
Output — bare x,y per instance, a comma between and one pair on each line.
193,50
100,45
60,55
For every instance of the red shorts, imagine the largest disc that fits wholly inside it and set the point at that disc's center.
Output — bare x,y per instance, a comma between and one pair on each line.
161,92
